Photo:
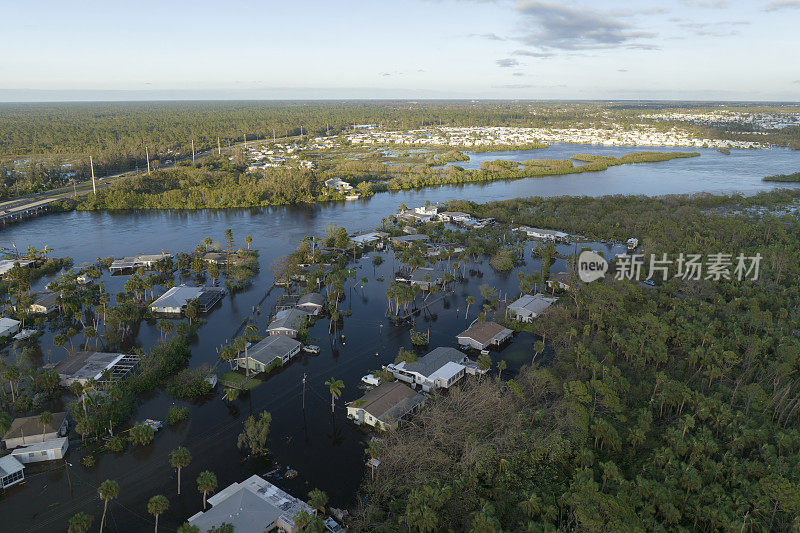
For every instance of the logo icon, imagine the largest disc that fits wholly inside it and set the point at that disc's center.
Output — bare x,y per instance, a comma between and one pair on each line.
591,266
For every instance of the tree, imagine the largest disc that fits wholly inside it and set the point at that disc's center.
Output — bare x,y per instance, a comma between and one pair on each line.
80,523
141,435
335,386
108,490
248,240
206,482
470,301
45,418
192,309
157,505
501,365
318,500
180,458
254,434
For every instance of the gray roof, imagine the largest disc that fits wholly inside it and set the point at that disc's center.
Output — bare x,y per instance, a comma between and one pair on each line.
389,402
411,238
46,299
434,276
177,296
531,304
434,360
87,365
8,465
313,298
245,511
272,347
289,319
29,425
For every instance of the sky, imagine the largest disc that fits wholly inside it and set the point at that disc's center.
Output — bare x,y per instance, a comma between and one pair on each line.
400,49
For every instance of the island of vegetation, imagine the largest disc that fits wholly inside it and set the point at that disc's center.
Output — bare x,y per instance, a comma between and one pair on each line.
787,178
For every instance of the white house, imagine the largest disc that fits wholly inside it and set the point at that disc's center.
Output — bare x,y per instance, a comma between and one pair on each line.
481,335
27,430
287,322
175,300
266,352
439,369
385,405
543,234
528,307
632,243
100,366
8,326
11,471
254,505
44,303
49,450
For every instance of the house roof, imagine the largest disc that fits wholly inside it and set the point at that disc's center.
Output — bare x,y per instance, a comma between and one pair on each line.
312,298
434,276
286,319
6,323
87,365
411,238
8,264
434,360
484,332
271,347
8,465
29,425
178,296
46,299
532,304
390,401
52,444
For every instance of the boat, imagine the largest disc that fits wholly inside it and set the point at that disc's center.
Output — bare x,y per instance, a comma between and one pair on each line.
311,348
24,334
155,425
351,197
371,380
333,526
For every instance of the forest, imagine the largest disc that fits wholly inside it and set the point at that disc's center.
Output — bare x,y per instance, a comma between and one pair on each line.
795,177
668,408
45,145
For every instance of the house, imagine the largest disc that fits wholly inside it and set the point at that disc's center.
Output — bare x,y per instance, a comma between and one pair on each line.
311,304
385,405
481,335
8,264
44,303
425,277
264,354
560,280
406,240
217,258
49,450
8,326
632,244
11,471
175,300
339,185
453,216
438,369
286,322
363,239
528,307
427,210
543,234
101,367
131,263
254,505
27,430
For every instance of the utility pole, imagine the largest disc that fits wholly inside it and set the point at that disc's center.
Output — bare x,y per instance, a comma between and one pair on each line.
219,148
147,156
94,187
304,391
192,150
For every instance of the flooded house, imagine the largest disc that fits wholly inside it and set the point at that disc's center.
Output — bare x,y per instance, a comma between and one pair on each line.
481,335
384,406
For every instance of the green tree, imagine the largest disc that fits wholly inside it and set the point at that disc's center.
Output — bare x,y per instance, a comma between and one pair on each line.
318,500
45,419
335,386
156,506
180,458
80,523
108,490
254,434
206,482
141,435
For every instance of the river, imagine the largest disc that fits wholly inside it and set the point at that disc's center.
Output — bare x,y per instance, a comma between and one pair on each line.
326,451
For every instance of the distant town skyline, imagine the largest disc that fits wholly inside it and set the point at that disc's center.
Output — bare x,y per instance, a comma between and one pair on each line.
415,49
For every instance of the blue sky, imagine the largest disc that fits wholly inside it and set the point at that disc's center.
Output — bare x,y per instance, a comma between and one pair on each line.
606,49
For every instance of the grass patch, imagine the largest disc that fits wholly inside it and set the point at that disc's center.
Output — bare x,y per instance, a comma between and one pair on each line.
240,381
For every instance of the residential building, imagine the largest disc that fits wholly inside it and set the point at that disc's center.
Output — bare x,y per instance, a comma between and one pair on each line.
261,356
11,471
528,307
8,326
544,234
311,304
406,240
27,430
132,263
439,369
287,322
175,300
8,264
453,216
425,277
385,405
44,303
49,450
560,280
252,506
338,184
632,244
363,239
481,335
101,367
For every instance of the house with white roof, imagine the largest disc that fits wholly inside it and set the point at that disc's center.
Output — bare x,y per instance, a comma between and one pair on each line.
8,326
254,505
267,352
287,322
440,368
175,300
529,307
101,367
544,234
49,450
11,471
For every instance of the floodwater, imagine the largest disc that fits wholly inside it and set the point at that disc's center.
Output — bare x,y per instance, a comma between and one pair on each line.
326,450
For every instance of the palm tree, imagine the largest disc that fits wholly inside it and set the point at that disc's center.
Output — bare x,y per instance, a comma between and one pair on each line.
206,482
538,347
248,240
335,386
108,490
501,365
80,523
157,505
318,500
230,394
180,458
45,418
470,301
